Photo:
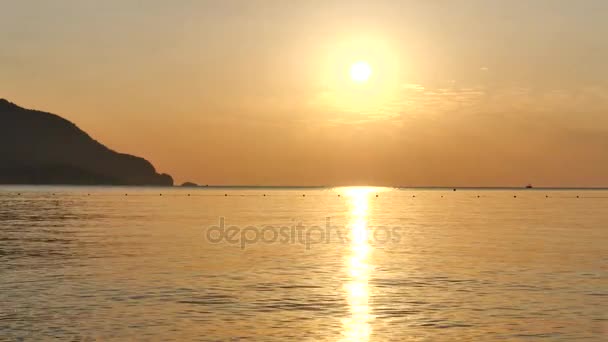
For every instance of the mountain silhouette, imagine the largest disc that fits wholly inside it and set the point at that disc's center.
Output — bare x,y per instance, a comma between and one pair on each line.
43,148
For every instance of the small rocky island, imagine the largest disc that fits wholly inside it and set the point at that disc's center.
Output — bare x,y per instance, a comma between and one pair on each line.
43,148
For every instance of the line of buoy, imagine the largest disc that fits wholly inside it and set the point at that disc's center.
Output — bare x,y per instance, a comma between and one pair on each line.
304,195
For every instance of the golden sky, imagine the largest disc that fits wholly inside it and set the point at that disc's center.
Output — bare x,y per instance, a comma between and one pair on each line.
462,93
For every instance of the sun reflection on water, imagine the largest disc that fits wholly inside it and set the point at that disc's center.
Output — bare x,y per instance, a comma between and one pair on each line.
357,326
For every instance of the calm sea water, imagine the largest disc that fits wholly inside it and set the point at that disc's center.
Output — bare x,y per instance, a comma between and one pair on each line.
352,264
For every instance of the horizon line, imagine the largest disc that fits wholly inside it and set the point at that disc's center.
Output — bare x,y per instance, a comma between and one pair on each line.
320,186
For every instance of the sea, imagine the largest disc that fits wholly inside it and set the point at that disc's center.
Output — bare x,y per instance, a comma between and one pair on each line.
305,264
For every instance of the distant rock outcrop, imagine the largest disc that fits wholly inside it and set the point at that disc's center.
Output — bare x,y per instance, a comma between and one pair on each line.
43,148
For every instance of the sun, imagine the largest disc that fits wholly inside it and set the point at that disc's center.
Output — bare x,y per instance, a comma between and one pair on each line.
360,71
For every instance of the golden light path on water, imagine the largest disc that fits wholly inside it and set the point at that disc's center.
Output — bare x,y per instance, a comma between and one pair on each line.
357,326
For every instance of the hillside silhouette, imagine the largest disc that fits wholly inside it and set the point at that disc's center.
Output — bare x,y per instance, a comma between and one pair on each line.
43,148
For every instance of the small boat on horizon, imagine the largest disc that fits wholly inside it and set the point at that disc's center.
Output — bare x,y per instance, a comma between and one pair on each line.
529,186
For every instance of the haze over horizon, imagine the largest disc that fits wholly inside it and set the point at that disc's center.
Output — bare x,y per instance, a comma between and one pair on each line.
474,93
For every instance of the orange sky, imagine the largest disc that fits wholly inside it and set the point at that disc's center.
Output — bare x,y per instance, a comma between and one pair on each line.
463,93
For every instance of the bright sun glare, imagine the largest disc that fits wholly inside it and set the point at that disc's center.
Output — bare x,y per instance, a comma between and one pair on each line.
360,71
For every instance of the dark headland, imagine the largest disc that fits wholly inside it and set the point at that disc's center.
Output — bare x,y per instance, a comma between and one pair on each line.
43,148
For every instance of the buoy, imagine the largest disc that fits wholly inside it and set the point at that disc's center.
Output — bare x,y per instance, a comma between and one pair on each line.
303,195
514,196
376,195
225,194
